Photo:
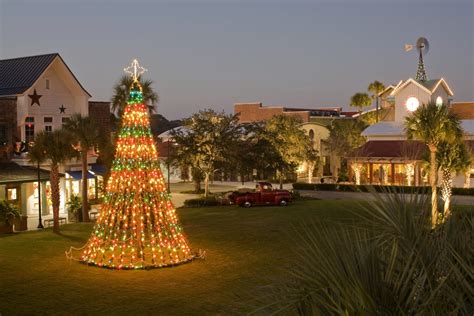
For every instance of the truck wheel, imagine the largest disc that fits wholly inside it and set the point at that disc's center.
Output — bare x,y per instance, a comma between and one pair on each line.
247,204
283,203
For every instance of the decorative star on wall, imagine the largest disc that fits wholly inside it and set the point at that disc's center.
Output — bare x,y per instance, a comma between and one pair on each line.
35,98
62,109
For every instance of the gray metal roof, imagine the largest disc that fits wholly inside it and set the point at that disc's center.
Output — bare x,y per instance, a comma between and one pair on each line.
429,84
18,74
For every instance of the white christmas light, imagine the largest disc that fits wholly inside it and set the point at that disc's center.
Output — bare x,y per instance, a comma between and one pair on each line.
134,69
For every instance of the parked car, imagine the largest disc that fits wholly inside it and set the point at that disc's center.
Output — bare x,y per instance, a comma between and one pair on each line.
264,194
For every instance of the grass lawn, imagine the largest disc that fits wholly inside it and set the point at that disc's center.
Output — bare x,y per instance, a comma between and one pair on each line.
244,248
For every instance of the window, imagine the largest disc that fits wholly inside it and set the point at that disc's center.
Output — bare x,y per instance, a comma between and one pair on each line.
48,124
47,84
412,104
12,194
439,101
29,129
64,120
311,134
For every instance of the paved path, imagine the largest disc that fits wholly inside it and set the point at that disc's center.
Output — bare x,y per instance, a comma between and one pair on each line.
336,195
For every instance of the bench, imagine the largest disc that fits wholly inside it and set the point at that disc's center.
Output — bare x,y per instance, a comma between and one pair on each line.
62,220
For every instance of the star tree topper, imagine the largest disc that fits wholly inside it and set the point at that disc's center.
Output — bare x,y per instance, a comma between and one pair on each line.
135,70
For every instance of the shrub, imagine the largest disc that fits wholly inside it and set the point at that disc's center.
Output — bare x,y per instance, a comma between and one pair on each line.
377,188
199,202
8,212
201,191
388,262
74,206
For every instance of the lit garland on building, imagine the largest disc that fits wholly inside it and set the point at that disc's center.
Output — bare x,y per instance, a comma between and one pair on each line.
137,227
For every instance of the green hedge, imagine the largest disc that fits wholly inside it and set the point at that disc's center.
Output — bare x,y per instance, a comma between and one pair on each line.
211,201
378,188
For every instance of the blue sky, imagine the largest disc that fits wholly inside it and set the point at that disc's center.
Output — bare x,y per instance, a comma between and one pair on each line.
213,54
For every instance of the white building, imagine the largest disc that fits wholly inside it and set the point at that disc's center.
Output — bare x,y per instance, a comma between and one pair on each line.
39,93
387,157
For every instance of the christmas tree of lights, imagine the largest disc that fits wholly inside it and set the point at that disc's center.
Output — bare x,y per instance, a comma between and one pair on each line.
137,227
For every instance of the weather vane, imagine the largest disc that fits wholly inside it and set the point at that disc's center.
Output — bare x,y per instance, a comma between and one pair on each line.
134,69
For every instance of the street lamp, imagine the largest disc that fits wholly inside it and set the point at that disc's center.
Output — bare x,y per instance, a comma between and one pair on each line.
40,224
168,165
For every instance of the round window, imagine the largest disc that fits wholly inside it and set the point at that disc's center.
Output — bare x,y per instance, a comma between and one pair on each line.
412,104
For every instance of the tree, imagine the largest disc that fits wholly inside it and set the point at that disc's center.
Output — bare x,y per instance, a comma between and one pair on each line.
452,159
122,90
312,161
360,100
205,140
54,147
376,88
85,136
138,227
344,137
433,124
290,143
243,156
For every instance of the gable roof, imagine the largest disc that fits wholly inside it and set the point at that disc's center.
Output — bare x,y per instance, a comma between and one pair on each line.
429,85
18,74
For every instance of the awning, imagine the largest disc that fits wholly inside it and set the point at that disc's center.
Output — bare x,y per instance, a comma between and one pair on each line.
98,169
77,175
11,172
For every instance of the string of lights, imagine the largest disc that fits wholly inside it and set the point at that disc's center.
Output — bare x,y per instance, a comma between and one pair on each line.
137,227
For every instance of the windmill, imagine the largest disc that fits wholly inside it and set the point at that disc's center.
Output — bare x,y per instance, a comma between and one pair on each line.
422,47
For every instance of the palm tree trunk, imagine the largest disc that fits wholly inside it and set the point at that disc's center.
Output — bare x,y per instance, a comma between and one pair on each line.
54,177
447,189
85,203
377,109
434,193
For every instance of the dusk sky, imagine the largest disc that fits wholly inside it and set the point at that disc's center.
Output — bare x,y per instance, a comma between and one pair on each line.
214,54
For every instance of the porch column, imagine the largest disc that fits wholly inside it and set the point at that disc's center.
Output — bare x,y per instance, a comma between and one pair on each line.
23,201
392,166
44,202
371,169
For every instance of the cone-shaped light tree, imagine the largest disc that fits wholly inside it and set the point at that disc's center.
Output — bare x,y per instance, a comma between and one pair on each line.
137,227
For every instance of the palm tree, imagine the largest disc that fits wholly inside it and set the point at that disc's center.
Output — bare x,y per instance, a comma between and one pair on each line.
360,100
433,124
376,88
85,136
452,159
122,89
56,148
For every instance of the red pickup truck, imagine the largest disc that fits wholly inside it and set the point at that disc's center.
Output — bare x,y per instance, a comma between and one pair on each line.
263,194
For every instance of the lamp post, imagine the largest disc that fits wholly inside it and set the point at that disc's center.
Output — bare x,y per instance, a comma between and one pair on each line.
168,165
40,224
